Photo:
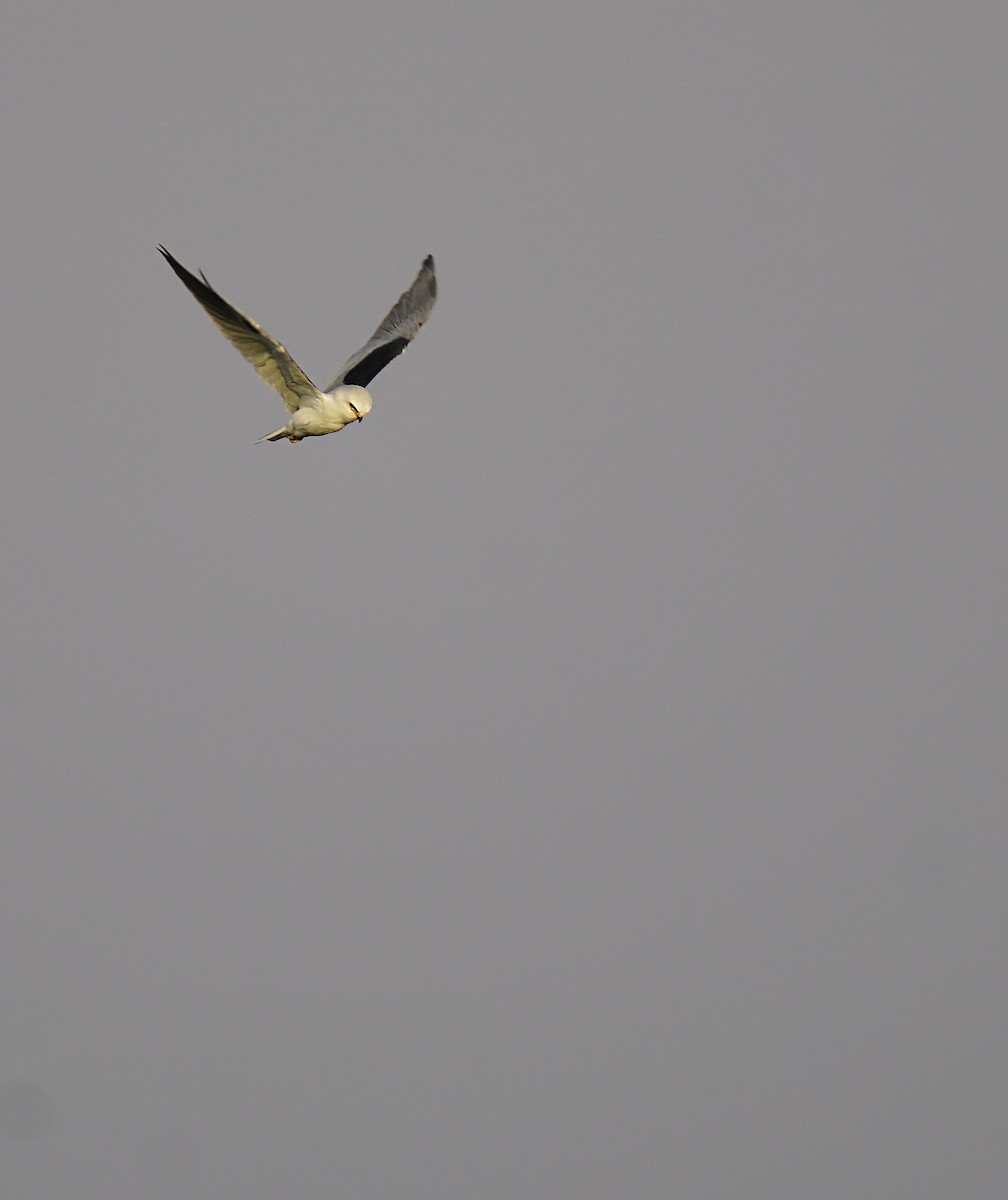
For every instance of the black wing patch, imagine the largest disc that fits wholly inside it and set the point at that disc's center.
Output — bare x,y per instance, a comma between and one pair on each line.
377,360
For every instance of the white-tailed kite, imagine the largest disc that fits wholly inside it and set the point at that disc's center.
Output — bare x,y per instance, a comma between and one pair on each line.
346,399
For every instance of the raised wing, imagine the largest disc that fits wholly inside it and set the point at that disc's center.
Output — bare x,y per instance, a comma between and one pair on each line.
265,353
395,333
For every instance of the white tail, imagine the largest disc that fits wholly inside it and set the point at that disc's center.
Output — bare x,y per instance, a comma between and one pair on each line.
275,436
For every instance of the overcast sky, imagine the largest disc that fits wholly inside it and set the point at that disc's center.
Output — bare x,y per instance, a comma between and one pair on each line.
586,778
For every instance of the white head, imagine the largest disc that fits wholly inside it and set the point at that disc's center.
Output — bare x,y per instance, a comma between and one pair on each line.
357,397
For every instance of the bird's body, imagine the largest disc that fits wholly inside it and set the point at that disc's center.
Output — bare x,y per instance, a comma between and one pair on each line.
315,412
325,412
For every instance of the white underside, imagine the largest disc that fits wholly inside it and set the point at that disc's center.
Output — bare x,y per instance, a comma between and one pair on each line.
324,412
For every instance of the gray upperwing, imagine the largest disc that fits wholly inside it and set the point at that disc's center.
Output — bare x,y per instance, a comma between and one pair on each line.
395,333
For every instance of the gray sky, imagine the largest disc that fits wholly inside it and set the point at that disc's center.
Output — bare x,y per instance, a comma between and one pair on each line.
586,778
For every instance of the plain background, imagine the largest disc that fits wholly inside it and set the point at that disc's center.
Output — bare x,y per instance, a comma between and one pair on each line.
585,778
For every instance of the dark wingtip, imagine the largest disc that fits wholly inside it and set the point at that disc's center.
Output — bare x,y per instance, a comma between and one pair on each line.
173,262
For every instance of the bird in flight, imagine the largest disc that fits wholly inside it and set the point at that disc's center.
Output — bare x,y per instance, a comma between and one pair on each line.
314,412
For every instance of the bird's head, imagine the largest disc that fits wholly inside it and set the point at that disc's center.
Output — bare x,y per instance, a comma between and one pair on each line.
362,403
